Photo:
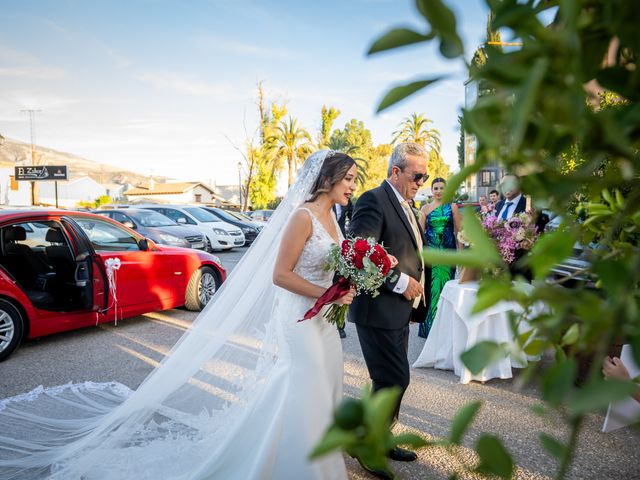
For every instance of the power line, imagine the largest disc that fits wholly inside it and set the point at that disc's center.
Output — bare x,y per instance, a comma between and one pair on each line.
32,130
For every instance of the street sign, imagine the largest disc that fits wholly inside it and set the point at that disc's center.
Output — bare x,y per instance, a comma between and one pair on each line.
41,172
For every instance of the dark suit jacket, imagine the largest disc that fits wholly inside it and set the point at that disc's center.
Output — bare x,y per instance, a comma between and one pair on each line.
541,219
378,214
345,214
520,207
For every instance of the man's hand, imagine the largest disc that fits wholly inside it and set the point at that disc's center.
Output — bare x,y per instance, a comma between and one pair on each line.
414,289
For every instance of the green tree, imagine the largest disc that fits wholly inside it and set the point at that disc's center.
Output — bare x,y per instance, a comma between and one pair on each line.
460,147
328,117
415,128
290,144
377,166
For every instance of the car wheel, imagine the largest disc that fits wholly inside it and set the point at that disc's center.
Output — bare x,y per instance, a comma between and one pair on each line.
11,329
203,284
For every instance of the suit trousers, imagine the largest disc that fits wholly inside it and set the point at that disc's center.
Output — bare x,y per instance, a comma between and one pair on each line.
385,353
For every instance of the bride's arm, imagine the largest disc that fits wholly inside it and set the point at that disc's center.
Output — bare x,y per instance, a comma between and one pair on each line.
295,235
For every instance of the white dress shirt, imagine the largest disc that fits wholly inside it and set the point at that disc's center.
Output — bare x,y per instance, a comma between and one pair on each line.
403,281
512,208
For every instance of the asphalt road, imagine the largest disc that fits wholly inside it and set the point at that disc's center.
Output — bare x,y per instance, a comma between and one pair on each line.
128,352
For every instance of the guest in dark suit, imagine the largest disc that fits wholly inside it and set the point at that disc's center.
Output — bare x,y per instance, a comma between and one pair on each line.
343,214
515,202
382,323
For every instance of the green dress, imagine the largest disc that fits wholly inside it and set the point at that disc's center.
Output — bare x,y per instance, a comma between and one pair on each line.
439,234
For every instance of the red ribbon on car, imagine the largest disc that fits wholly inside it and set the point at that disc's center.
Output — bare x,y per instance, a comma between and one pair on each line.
334,292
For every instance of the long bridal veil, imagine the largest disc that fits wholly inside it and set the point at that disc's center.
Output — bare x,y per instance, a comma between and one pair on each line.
178,418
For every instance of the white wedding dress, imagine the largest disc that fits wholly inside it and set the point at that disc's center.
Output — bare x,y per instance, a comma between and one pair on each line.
245,394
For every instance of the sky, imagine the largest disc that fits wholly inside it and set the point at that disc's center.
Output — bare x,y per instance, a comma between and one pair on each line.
168,87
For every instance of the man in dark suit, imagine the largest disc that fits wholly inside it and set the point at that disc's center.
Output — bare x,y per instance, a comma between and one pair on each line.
514,202
343,215
382,323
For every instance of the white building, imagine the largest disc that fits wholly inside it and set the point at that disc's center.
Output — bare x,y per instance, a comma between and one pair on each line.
82,189
13,192
180,193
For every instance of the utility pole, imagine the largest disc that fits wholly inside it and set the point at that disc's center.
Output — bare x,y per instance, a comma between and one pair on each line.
32,128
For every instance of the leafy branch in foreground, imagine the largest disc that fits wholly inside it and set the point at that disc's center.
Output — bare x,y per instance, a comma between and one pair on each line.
545,104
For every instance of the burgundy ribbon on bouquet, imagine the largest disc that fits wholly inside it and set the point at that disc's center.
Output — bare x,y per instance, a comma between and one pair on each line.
334,292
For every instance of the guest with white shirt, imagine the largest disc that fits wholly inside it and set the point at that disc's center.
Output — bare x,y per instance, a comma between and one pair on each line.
514,202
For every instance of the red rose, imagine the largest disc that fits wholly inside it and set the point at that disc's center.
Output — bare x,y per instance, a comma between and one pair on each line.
345,247
386,265
376,258
357,261
361,247
378,249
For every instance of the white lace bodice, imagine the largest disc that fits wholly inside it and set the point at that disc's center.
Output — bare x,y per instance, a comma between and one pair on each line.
313,259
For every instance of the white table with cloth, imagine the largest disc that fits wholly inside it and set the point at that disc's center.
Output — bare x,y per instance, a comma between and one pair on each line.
455,330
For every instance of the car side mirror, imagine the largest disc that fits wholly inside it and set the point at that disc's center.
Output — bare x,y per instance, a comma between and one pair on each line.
143,244
129,224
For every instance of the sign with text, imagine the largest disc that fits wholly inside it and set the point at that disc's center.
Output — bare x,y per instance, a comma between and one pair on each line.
41,172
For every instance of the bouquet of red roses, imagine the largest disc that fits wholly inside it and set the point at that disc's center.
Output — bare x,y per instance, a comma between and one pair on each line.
360,263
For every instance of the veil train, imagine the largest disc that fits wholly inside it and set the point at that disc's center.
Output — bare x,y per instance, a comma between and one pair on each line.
176,421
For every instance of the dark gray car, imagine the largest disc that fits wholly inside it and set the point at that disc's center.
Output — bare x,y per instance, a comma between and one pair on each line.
157,227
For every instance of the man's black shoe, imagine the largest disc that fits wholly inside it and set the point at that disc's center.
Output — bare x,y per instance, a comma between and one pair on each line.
401,455
378,472
343,334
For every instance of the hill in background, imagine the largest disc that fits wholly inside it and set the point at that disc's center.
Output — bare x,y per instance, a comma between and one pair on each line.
14,153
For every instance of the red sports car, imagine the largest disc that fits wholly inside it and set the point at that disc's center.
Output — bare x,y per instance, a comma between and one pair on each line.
65,270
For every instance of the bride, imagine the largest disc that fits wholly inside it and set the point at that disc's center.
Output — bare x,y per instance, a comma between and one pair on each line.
246,393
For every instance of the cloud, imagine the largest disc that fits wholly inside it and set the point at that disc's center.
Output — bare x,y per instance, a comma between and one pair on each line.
190,85
243,48
33,73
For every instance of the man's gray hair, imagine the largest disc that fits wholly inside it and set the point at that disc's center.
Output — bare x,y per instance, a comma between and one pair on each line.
399,156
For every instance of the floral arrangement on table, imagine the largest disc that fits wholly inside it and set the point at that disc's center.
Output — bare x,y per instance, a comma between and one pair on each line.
360,263
513,238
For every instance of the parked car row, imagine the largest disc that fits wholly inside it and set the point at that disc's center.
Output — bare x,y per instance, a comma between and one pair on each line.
190,226
55,270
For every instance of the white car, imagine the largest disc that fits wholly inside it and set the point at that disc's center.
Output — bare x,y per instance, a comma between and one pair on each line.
221,235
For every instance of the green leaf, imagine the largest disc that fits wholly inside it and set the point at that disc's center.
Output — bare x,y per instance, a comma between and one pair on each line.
535,347
599,393
550,250
455,181
491,291
524,102
400,92
494,458
635,348
462,420
558,381
481,355
464,258
553,446
443,24
379,410
333,439
483,246
398,37
410,439
571,336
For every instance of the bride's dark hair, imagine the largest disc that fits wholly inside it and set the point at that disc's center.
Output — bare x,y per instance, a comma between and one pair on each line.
334,169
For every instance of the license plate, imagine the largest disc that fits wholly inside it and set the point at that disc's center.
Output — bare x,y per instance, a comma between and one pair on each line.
197,245
239,242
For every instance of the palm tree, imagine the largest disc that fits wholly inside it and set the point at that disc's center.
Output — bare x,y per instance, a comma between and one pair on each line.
290,143
340,143
415,128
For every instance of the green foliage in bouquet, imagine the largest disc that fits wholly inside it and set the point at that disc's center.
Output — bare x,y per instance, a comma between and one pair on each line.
544,120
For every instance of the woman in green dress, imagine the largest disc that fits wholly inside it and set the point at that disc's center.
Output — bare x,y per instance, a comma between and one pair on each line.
441,223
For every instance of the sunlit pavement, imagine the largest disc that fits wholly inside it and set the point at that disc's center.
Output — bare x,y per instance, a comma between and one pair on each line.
128,352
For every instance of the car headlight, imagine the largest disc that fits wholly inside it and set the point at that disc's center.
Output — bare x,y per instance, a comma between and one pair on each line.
166,238
219,231
249,230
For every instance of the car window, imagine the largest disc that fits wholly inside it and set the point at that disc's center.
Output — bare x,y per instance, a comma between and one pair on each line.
36,233
225,215
106,237
202,215
176,215
151,218
120,217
